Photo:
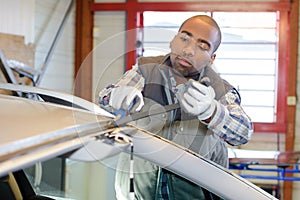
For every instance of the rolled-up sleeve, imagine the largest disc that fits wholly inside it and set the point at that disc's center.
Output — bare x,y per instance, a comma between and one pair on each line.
230,121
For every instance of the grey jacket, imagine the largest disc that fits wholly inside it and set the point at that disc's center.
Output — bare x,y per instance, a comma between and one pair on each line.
176,126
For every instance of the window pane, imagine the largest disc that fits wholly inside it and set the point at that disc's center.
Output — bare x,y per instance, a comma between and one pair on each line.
258,98
260,114
247,58
154,45
246,82
251,34
249,50
246,19
246,66
159,19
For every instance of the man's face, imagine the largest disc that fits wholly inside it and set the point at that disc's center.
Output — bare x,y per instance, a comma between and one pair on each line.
192,48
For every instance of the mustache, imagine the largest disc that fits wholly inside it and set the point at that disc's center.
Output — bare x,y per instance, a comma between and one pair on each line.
181,57
194,74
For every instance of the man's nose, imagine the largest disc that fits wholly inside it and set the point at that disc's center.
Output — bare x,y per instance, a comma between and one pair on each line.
189,49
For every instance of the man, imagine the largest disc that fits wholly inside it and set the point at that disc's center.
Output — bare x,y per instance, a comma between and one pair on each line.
210,114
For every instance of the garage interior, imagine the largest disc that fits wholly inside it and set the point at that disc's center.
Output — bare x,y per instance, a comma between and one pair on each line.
80,46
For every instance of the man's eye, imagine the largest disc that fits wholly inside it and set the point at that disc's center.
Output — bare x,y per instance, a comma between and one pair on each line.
184,39
203,47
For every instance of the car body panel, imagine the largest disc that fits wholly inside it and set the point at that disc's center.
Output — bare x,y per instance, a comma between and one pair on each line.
34,131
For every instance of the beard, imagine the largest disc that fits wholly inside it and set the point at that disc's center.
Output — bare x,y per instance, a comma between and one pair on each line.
183,66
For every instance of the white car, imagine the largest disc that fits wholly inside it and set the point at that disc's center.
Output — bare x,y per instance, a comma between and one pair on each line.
39,137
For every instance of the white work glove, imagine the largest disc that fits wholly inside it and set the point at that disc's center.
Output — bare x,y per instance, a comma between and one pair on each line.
126,98
197,99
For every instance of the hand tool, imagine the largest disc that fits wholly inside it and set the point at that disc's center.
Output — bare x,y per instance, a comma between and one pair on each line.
140,115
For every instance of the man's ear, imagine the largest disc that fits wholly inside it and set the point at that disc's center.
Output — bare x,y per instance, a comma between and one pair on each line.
212,59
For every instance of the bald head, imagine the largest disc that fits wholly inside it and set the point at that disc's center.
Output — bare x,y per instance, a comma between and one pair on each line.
210,21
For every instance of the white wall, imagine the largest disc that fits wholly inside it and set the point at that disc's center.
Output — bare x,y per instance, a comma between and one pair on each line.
18,18
48,17
109,49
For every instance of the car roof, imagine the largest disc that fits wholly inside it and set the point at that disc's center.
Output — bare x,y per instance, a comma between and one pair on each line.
32,131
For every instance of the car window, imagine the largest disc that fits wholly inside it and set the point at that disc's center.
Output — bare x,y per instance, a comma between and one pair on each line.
62,178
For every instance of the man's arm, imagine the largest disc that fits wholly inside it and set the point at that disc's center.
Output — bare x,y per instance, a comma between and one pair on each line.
230,121
130,78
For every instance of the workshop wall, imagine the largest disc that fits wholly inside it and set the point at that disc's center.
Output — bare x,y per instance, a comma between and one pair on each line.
13,48
19,18
27,34
16,34
48,17
109,49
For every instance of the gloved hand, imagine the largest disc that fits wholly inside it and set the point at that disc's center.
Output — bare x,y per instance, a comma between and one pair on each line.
197,99
126,98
